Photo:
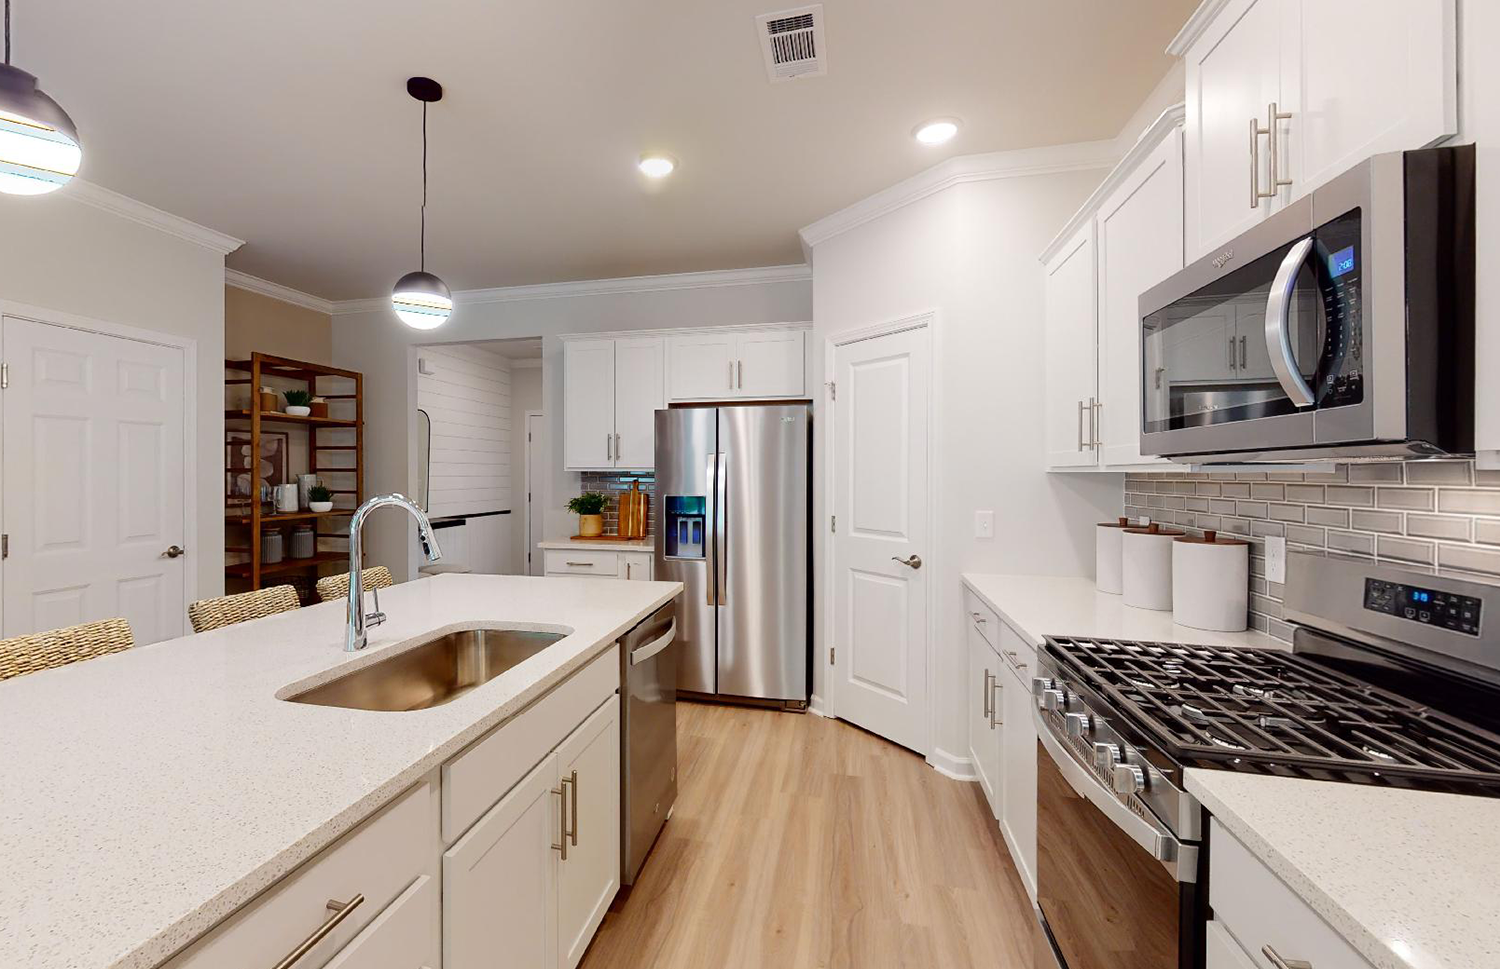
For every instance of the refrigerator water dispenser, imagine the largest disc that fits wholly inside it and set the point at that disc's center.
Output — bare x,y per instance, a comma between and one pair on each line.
684,526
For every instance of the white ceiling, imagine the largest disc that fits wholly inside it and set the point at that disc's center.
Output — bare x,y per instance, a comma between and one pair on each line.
286,123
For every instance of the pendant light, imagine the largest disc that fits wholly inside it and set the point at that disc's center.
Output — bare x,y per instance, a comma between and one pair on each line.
39,147
422,301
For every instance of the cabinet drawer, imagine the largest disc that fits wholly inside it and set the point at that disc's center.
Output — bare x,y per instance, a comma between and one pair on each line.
1223,951
1258,909
982,618
379,860
484,771
1018,654
407,935
567,561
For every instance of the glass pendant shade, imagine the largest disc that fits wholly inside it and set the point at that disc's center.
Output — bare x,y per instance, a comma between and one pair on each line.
39,147
422,301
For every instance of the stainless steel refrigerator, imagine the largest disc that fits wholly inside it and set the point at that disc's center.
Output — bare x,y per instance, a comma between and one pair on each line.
734,512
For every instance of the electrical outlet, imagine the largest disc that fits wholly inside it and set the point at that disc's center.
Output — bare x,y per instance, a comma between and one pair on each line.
1276,559
984,524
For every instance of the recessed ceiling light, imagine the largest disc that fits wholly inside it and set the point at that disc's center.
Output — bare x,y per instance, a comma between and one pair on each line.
937,131
657,165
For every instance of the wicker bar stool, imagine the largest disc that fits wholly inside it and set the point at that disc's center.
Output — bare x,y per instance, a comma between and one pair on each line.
59,647
334,587
224,611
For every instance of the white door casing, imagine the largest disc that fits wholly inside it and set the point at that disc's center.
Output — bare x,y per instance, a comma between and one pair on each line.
881,466
536,464
94,480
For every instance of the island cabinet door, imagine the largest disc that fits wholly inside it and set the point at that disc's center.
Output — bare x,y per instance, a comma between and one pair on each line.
984,736
500,880
589,768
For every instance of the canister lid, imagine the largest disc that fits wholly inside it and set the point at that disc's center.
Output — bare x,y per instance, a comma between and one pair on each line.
1155,529
1122,522
1210,537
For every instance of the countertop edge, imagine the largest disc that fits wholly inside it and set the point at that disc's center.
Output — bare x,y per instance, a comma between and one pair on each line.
972,585
631,545
193,925
1340,919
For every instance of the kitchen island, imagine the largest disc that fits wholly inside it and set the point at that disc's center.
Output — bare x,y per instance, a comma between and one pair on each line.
149,794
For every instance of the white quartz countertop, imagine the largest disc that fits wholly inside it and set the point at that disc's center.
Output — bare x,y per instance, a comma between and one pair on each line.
644,545
149,793
1038,606
1410,878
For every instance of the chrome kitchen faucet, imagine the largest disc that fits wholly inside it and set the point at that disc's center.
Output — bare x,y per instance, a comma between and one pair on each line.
355,636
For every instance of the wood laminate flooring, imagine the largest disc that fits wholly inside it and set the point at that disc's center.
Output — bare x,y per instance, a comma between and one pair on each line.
799,842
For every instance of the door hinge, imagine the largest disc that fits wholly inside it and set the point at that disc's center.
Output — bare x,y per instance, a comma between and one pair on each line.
833,523
830,654
833,390
4,375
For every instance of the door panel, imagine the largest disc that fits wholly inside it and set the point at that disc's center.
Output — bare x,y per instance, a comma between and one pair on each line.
588,880
93,477
639,393
699,367
686,446
770,365
763,548
588,403
1018,763
880,502
1070,352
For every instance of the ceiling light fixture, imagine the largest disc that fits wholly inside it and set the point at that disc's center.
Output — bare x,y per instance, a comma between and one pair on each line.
937,131
422,301
39,147
657,165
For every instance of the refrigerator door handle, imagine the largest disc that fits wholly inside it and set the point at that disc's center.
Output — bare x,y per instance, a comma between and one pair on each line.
721,528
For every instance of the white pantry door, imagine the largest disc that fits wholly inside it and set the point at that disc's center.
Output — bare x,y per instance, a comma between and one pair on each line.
93,479
880,503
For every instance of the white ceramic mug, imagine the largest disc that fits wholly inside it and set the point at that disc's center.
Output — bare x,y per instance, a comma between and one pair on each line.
286,498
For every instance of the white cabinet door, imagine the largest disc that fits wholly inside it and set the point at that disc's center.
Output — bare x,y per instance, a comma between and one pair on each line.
1384,80
1233,75
984,738
1070,352
589,767
500,881
700,366
588,404
770,364
1223,951
404,936
1018,760
639,393
1140,244
636,566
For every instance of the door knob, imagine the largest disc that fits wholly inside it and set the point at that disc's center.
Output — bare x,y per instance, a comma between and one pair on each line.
176,551
914,562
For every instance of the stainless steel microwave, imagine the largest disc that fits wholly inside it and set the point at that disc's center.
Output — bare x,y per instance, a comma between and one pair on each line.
1340,327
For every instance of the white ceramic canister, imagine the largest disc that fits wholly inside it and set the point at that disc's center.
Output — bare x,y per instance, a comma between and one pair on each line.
1211,582
1108,554
1147,565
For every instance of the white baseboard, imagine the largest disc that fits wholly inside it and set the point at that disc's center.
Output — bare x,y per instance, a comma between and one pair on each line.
815,706
958,768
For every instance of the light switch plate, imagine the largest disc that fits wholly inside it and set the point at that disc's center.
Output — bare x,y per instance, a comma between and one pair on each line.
984,524
1276,559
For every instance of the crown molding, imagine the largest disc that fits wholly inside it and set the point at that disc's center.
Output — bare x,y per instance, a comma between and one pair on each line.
254,284
1020,163
1195,26
1167,122
603,287
80,190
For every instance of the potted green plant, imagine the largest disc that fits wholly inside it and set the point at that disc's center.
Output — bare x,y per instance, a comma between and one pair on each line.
589,507
298,403
319,498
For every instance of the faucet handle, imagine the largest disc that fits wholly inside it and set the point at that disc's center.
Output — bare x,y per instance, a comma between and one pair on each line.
375,617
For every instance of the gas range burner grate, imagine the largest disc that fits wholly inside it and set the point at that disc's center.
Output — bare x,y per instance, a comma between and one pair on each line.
1244,707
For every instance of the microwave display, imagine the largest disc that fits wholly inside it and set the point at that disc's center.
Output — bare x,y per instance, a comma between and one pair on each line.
1207,359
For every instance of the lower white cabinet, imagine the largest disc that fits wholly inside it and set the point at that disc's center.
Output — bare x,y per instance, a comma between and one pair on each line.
528,885
984,723
634,566
404,936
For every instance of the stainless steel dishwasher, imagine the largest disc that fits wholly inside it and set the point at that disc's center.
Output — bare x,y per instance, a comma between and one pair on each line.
648,735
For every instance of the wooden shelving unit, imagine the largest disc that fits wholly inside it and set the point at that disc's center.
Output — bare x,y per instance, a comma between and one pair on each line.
327,437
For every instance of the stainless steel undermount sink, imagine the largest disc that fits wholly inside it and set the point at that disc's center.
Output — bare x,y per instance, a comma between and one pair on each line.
433,673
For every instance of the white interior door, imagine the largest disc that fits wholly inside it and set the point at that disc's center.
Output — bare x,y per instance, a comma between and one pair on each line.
880,500
93,478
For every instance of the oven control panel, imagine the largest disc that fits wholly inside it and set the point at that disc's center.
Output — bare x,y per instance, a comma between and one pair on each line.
1431,607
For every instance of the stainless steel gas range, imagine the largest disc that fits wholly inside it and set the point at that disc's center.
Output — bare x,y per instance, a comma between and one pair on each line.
1394,679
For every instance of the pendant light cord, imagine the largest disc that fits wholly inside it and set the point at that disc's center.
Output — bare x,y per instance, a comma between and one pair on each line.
424,164
7,33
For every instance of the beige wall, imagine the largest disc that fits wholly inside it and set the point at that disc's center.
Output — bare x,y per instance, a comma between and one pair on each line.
261,324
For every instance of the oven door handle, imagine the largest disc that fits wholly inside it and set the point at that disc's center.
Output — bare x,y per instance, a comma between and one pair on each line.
1160,844
1279,325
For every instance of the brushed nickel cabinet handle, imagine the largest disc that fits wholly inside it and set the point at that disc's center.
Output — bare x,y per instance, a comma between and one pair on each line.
1244,353
617,447
1280,963
731,375
995,721
984,696
1255,195
1231,353
739,366
977,618
572,783
581,565
561,845
1273,116
1080,425
1096,423
341,911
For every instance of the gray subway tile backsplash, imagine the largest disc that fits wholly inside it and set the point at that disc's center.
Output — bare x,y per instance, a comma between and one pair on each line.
1421,515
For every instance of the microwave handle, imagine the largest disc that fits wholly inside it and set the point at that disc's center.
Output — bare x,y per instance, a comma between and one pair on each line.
1278,326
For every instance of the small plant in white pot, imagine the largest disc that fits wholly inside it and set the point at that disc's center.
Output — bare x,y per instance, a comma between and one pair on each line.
319,498
298,403
589,507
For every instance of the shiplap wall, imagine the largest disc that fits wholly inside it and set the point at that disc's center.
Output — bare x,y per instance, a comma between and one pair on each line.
468,399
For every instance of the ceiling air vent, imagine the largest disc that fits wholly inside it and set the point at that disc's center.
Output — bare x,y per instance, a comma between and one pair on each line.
792,41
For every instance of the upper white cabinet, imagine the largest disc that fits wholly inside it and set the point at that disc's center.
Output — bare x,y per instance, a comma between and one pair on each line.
1283,95
612,389
1126,239
737,365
